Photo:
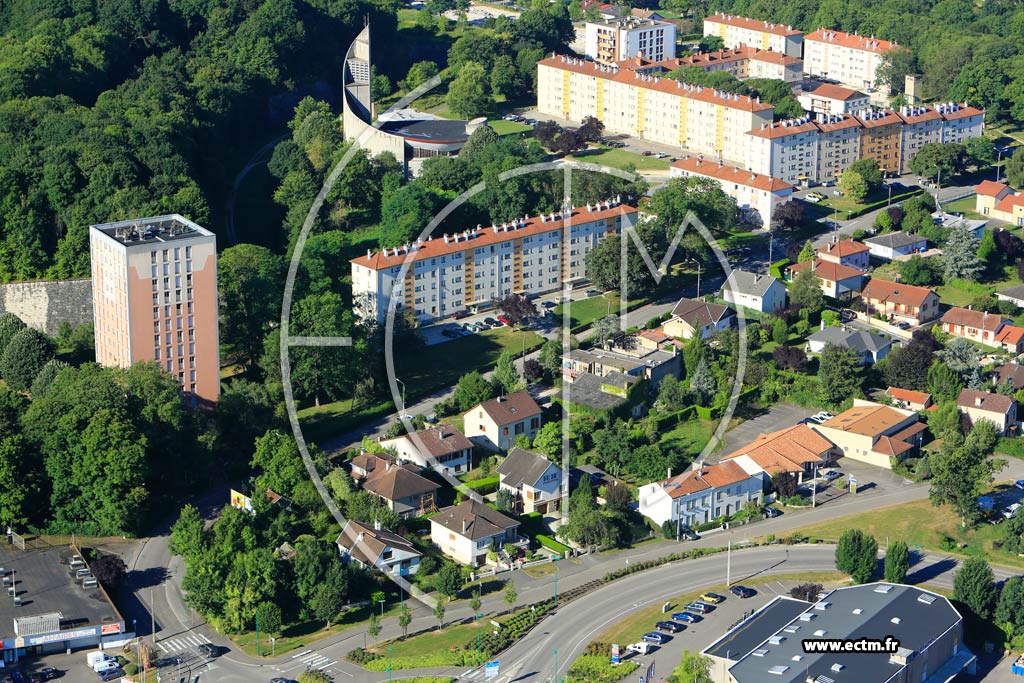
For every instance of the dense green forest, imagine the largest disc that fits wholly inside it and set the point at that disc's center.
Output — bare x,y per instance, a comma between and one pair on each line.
119,108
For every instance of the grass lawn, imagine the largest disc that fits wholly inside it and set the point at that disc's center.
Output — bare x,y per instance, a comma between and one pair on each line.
965,206
688,437
637,623
954,297
448,638
502,127
586,311
959,293
297,636
619,158
847,203
429,369
922,525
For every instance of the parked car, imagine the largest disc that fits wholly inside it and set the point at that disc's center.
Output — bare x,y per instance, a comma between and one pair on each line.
654,637
1019,484
661,155
49,673
459,315
742,591
450,333
1010,511
110,674
687,617
639,648
208,650
688,534
713,598
815,197
823,416
770,512
646,153
670,626
504,320
593,292
548,304
831,475
491,321
530,122
698,607
903,325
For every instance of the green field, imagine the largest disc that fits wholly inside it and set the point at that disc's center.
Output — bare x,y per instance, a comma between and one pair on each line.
502,127
964,206
586,311
619,158
428,370
688,437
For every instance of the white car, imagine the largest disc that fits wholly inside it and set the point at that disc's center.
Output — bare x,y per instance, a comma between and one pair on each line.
1011,511
831,475
812,198
822,417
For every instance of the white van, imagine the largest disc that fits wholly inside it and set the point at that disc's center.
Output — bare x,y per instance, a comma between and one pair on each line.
640,648
95,657
105,665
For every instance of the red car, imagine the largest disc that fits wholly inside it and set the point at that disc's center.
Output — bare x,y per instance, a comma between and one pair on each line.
504,320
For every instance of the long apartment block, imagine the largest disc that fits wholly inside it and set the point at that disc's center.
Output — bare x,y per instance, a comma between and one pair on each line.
476,267
634,98
736,31
744,62
848,58
647,106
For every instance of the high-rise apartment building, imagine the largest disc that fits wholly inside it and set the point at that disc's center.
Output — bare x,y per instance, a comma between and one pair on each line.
614,40
154,286
846,58
736,31
475,267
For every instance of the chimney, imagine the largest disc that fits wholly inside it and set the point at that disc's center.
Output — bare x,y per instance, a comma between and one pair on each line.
977,401
465,526
668,475
376,523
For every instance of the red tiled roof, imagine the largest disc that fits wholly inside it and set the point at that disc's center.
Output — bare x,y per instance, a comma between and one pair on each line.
843,248
867,420
886,117
846,121
486,235
1010,335
713,477
993,403
731,174
1009,202
753,24
781,129
828,270
990,188
505,410
653,82
963,111
850,40
981,320
785,450
834,92
895,292
908,395
887,445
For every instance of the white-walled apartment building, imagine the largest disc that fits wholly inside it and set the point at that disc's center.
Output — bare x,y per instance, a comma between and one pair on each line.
735,31
454,272
614,40
754,193
745,62
850,59
699,119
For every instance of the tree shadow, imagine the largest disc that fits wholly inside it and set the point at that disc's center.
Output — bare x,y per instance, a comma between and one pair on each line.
930,571
147,578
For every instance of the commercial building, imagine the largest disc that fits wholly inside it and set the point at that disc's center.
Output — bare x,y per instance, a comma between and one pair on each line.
645,105
439,276
900,302
736,31
831,100
534,481
704,494
846,58
874,433
756,195
614,40
743,62
768,645
154,283
998,409
495,424
797,450
51,610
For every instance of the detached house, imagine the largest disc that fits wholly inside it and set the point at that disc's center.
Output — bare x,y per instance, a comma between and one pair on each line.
496,423
402,489
874,433
998,409
834,279
705,494
691,315
762,293
534,481
892,245
908,399
869,347
443,448
846,253
900,302
375,548
983,327
468,531
1009,372
999,201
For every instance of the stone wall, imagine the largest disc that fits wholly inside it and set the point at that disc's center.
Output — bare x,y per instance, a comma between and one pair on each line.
45,305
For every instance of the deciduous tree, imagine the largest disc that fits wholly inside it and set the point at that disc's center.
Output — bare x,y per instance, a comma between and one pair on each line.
839,371
897,562
26,354
974,585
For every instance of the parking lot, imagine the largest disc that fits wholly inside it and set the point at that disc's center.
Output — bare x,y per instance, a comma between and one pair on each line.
779,416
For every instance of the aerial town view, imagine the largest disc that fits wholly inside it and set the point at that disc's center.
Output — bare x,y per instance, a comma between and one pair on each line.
512,341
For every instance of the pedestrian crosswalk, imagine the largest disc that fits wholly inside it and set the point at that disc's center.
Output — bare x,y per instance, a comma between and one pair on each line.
473,675
182,643
313,660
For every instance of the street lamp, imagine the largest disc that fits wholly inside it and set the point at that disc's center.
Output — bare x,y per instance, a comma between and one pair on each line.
888,202
402,415
999,158
556,583
382,607
693,260
478,639
554,676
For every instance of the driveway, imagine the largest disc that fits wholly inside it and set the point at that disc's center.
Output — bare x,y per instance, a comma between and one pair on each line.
779,416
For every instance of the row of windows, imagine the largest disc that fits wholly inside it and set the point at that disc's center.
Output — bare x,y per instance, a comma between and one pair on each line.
176,252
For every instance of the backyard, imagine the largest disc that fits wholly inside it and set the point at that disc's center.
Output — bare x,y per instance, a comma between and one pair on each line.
620,159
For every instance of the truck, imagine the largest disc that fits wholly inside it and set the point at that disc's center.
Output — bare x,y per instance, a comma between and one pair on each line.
96,657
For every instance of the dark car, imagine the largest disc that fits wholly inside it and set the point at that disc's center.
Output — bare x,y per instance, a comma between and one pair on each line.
687,617
491,321
670,626
111,674
47,674
742,592
459,315
451,334
689,534
769,511
548,304
208,650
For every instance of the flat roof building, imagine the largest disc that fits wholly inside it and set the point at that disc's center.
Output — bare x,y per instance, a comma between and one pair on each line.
846,58
154,283
921,630
735,31
613,40
49,609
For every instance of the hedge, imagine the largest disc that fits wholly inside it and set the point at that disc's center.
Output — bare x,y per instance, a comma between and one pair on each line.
775,270
553,545
484,485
